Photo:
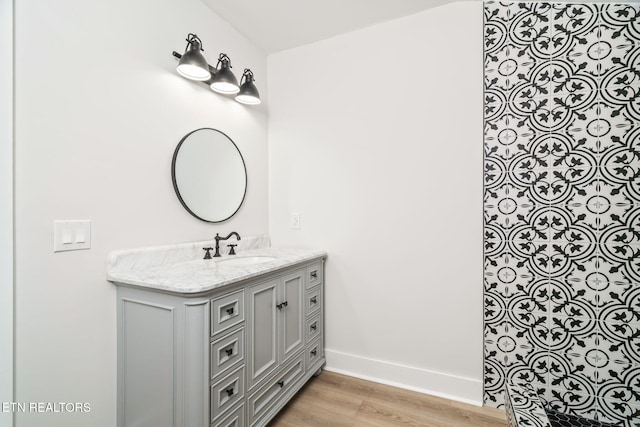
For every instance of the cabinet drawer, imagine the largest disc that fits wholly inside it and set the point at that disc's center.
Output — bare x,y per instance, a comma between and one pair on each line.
314,274
313,352
226,392
234,419
227,311
313,300
314,328
261,401
226,352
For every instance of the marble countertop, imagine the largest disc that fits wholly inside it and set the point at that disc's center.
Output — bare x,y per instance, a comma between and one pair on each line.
181,269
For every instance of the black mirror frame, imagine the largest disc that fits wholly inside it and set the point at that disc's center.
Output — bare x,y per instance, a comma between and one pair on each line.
175,184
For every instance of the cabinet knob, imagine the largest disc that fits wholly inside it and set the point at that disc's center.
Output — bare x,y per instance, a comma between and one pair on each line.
282,305
281,384
314,274
229,351
314,351
314,326
314,300
230,311
229,391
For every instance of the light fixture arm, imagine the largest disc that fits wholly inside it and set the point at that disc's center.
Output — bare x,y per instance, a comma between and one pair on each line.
247,75
225,60
193,39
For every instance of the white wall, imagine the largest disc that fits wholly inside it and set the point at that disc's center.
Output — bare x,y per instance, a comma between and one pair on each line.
375,138
99,111
6,208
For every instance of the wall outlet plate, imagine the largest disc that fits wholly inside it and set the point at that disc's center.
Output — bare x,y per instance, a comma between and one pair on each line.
295,221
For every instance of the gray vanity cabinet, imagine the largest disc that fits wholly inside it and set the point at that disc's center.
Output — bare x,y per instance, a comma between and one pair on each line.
274,323
231,356
262,331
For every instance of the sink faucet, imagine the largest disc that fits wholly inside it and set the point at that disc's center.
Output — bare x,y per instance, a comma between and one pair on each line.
218,238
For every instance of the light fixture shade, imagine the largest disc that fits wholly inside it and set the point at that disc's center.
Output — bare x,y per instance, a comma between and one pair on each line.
248,91
223,80
193,65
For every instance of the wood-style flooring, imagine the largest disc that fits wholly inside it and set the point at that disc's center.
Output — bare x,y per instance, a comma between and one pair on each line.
337,400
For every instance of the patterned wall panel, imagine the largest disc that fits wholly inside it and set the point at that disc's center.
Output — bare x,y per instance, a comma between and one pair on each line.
562,205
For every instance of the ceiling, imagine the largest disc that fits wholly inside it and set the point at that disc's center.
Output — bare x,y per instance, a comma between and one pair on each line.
276,25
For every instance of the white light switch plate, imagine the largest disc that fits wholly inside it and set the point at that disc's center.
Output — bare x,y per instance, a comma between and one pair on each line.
71,235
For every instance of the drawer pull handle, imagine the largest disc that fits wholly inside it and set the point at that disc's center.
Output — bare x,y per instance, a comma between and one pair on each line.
229,351
314,326
230,311
314,274
282,305
314,300
314,351
281,384
229,391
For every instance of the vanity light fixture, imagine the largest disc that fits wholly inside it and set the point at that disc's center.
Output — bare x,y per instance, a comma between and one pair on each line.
248,93
194,66
223,80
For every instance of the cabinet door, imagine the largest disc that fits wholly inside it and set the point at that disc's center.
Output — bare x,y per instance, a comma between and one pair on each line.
291,315
262,330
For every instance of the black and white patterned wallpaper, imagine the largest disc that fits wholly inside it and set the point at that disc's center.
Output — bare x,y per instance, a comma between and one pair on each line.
562,205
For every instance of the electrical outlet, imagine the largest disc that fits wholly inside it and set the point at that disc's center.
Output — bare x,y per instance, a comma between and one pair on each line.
295,220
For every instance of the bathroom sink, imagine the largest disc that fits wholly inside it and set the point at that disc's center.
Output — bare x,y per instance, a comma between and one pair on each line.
247,260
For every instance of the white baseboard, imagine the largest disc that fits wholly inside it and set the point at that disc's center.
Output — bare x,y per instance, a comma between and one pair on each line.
448,386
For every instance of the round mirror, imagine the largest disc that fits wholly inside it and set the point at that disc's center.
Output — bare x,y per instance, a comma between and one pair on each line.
209,175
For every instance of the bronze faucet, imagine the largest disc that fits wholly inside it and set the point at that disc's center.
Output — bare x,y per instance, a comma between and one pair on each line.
218,238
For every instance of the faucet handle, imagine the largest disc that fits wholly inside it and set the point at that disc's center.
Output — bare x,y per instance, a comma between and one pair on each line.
233,249
207,255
